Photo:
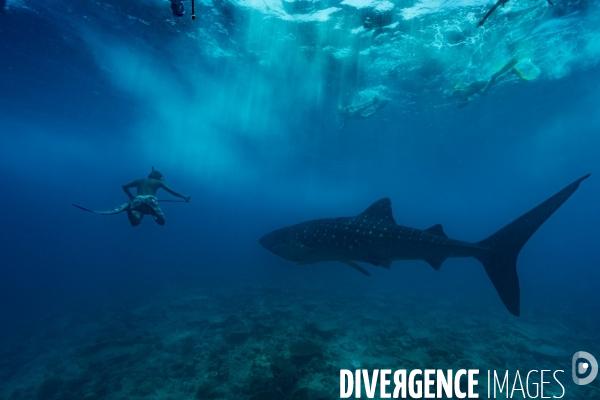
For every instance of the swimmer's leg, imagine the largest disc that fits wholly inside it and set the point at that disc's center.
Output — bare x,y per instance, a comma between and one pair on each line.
158,215
160,219
135,217
494,79
519,74
509,65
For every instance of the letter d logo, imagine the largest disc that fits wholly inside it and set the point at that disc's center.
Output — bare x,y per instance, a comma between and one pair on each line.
582,367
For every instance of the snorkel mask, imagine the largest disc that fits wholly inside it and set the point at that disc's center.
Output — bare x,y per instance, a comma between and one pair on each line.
156,175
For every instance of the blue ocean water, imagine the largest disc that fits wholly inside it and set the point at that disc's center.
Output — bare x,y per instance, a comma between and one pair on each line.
239,109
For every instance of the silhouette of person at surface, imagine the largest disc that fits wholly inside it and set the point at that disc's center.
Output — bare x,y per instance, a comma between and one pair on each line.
363,111
481,88
177,8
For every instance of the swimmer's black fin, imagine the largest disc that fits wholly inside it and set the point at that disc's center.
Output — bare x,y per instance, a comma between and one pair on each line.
116,210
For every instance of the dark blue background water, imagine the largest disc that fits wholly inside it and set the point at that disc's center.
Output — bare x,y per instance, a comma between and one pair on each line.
90,99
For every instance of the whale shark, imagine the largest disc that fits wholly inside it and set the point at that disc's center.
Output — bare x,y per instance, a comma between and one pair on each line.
374,237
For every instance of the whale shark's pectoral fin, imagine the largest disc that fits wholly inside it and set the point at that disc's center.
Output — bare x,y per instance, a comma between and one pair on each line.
436,263
387,264
357,267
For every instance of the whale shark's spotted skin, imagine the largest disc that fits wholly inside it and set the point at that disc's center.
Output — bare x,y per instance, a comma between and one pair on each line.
374,237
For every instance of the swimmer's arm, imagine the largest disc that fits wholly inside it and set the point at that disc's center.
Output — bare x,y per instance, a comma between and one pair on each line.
370,113
129,185
173,192
363,107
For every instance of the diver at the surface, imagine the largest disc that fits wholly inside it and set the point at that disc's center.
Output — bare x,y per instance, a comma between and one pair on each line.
145,201
481,88
363,111
177,8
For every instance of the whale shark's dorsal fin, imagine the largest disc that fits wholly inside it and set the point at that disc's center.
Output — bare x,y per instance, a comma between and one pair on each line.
380,210
436,230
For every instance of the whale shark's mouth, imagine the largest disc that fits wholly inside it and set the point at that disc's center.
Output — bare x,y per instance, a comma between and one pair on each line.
292,250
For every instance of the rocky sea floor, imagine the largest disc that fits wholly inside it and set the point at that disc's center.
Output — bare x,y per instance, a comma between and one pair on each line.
270,343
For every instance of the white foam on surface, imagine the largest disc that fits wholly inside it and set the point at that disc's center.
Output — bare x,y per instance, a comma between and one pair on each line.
379,5
274,8
425,7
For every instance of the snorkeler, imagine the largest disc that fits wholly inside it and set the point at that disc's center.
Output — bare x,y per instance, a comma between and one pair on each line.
465,94
352,112
177,8
145,201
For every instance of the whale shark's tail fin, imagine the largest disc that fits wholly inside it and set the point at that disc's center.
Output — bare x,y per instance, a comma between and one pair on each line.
501,263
